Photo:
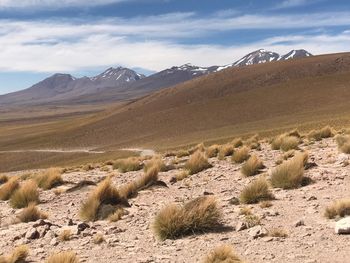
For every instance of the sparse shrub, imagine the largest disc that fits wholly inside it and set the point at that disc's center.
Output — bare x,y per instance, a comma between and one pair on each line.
197,163
65,235
18,255
128,165
182,153
343,142
63,257
339,208
104,194
265,204
98,238
252,220
3,178
237,142
212,151
30,213
50,178
245,210
156,161
199,147
277,141
200,214
225,150
117,215
278,232
223,254
294,133
7,189
240,155
25,194
181,175
257,190
253,142
289,143
318,135
289,154
252,166
290,174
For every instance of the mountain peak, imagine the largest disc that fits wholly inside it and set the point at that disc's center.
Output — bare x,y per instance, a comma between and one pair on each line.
257,57
118,74
295,53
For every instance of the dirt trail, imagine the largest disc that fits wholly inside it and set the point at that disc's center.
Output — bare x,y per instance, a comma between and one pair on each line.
143,152
54,151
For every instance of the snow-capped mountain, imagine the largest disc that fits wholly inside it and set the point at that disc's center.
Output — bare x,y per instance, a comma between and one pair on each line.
300,53
257,57
118,74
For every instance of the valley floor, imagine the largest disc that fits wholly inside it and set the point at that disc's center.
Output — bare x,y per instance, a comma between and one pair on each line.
132,240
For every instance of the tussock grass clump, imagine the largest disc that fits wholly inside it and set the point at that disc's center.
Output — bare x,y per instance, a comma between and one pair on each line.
158,162
253,142
8,188
265,204
200,214
343,142
294,133
252,166
98,238
212,151
128,165
237,142
101,201
285,142
252,220
325,132
117,215
181,175
3,178
30,214
63,257
199,147
26,194
147,179
223,254
65,235
182,153
339,208
290,174
50,178
225,150
240,155
197,163
256,191
278,232
18,255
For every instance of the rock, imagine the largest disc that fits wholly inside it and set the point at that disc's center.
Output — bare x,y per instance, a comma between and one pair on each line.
54,242
342,158
32,234
343,226
241,226
82,226
267,239
257,231
299,223
234,201
311,198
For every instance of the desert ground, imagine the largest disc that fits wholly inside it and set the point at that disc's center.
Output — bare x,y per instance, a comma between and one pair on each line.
291,227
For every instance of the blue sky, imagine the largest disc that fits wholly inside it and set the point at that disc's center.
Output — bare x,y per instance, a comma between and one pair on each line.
84,37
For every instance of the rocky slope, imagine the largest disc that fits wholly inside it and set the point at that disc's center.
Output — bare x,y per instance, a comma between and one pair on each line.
299,212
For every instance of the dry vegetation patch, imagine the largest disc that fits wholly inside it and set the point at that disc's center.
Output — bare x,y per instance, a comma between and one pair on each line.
225,150
343,142
198,215
128,165
3,178
339,208
240,155
256,191
317,135
290,174
30,214
18,255
63,257
212,151
285,142
223,254
8,188
252,166
278,232
50,178
197,163
26,194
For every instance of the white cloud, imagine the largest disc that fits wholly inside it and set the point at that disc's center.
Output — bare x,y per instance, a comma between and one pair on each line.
152,42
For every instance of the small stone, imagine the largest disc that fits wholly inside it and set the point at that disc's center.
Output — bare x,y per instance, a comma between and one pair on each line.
267,239
234,201
241,226
343,226
299,223
311,198
32,234
257,231
54,242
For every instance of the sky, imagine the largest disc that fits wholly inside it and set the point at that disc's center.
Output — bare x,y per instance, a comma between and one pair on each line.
84,37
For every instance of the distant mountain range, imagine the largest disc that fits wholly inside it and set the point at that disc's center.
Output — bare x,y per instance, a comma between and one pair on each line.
117,84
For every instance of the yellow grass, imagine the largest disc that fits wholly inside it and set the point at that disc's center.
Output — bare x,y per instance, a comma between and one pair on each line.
65,235
252,166
237,142
223,254
128,165
50,178
258,190
225,150
241,154
3,178
197,163
318,135
30,213
63,257
98,238
343,142
181,175
18,255
212,151
27,193
339,208
7,189
173,221
278,232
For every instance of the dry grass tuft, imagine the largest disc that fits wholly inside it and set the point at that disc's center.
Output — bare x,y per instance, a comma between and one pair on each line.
253,142
252,220
278,232
30,214
63,257
98,238
257,190
7,189
339,208
199,147
265,204
343,142
19,255
200,214
182,153
237,142
181,175
117,215
285,142
105,194
197,163
49,179
290,174
252,166
225,150
26,194
3,178
325,132
240,155
212,151
128,165
156,161
223,254
65,235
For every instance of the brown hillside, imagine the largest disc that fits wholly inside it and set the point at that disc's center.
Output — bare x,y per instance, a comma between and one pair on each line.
258,98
